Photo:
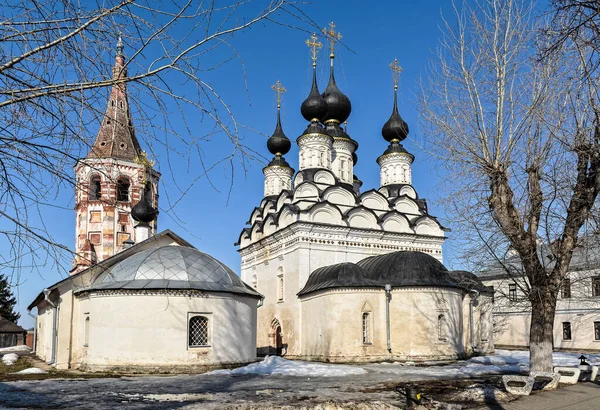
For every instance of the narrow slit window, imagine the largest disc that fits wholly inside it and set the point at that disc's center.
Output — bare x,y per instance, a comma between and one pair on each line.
566,330
596,286
596,330
366,328
442,328
512,292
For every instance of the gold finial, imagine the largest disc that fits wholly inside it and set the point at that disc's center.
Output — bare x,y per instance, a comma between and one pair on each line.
279,90
332,36
314,46
396,70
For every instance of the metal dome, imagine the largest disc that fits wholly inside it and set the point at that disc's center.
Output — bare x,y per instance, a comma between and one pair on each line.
172,267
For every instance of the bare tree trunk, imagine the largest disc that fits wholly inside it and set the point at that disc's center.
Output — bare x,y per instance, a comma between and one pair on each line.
541,337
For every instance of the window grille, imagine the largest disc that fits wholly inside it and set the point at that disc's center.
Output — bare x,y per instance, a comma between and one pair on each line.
565,291
198,331
366,331
596,286
512,292
596,330
566,330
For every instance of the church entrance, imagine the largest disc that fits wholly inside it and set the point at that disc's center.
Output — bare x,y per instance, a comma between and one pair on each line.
276,338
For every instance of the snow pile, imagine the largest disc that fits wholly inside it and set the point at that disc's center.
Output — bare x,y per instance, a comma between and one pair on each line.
275,365
15,349
521,358
10,359
32,370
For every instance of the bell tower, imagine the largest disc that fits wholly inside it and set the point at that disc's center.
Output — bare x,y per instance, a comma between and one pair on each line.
110,180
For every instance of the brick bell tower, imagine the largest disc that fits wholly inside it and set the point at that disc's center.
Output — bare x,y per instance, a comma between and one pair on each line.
110,180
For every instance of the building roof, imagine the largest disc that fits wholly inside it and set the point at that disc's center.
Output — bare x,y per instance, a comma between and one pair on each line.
398,269
469,281
6,326
172,267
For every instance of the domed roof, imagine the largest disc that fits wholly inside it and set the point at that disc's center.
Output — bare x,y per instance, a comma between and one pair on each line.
172,267
278,143
395,128
399,269
143,211
341,275
407,268
314,107
338,104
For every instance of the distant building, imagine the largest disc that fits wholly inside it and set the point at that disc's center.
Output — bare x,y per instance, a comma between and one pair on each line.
11,334
350,275
137,300
577,319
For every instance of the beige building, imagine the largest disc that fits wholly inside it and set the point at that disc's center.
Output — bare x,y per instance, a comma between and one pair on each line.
350,275
577,319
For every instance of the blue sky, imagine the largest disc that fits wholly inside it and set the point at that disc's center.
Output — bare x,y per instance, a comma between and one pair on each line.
374,34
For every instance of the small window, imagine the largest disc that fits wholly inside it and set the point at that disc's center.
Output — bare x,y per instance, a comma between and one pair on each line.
492,290
95,188
86,340
442,328
566,330
198,331
280,288
565,290
123,190
512,292
596,286
122,237
596,330
366,328
254,281
95,216
123,218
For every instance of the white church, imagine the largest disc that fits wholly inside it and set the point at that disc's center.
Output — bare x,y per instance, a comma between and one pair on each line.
328,273
349,275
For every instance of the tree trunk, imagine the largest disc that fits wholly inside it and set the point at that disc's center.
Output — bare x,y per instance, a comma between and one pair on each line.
541,337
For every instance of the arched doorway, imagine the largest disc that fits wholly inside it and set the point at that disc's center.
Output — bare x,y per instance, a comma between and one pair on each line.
276,338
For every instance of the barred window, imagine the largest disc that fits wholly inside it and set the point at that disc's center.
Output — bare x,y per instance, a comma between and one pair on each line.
366,331
512,292
198,331
596,330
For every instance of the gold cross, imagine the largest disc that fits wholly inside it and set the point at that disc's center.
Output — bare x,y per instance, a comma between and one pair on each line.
279,90
332,36
396,70
314,46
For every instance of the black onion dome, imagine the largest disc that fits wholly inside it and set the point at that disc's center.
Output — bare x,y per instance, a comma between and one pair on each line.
395,128
314,107
278,143
407,268
278,161
395,147
143,211
338,105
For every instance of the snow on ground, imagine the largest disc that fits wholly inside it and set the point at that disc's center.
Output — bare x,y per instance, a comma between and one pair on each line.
504,361
15,349
32,370
10,359
275,365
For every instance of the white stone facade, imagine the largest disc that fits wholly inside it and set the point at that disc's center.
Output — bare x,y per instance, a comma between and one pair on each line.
277,179
395,169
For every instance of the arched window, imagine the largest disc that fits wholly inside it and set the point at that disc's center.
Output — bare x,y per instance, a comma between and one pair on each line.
198,331
123,190
366,328
95,188
442,328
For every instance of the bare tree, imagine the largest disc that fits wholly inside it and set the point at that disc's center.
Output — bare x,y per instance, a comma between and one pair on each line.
56,58
521,138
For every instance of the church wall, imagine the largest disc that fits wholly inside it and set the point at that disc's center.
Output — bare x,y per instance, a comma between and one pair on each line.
44,332
483,324
333,327
131,331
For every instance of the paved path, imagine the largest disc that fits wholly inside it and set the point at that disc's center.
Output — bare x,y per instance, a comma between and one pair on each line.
582,396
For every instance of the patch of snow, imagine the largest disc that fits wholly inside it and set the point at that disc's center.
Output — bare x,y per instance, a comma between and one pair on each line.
10,359
275,365
32,370
12,349
521,358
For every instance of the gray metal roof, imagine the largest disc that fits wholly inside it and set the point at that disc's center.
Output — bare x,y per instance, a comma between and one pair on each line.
172,267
